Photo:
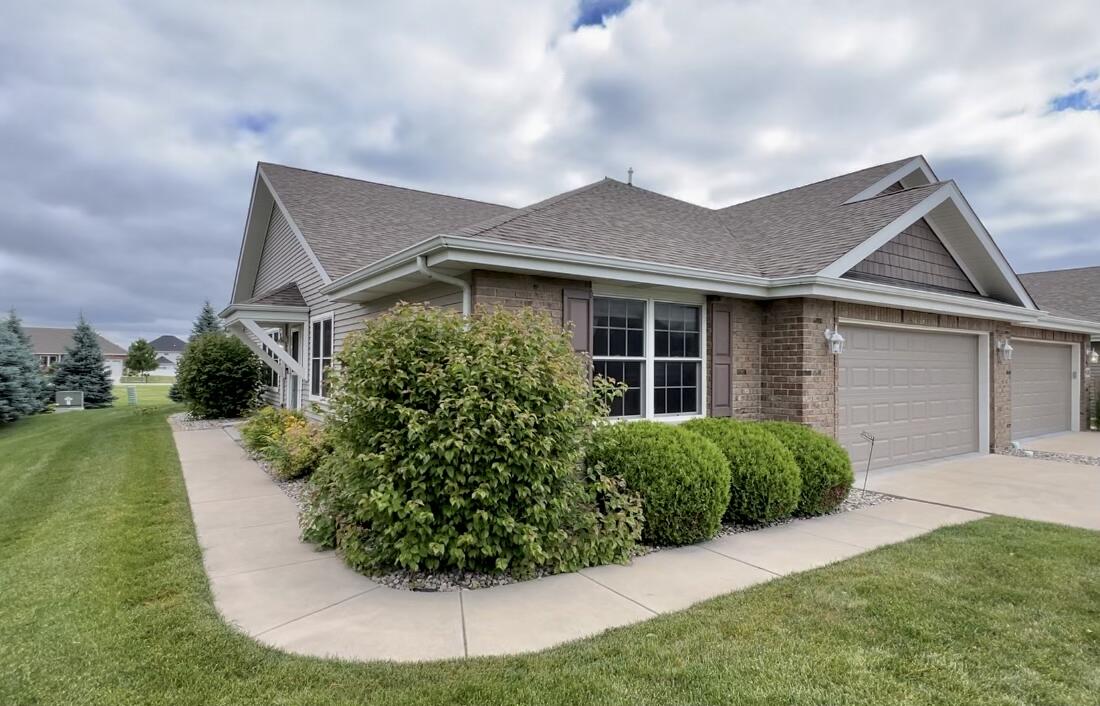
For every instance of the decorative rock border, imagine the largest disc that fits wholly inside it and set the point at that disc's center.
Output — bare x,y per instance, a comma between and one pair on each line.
1052,456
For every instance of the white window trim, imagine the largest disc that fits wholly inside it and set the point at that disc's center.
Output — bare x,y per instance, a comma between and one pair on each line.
309,349
651,296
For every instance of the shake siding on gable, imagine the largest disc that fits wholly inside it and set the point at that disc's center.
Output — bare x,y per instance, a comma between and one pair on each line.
915,258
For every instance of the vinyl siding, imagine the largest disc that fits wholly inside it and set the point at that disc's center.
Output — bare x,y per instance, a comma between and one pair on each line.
915,258
284,260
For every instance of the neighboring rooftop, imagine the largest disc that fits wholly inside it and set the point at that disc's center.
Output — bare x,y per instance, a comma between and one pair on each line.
1074,292
53,341
351,223
168,344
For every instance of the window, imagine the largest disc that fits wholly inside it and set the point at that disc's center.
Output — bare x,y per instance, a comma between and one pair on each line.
618,340
655,348
320,355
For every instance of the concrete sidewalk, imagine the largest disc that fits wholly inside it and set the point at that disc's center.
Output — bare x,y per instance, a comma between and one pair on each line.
285,594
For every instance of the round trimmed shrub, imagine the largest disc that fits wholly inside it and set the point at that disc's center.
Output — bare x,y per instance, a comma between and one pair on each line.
681,477
218,376
764,478
458,444
824,465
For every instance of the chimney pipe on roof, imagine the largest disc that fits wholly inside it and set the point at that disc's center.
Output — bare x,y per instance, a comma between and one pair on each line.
630,176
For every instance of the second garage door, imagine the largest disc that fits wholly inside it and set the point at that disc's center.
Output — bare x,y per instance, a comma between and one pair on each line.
916,391
1041,388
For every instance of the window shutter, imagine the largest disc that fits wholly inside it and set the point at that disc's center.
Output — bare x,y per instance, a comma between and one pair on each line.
577,309
721,390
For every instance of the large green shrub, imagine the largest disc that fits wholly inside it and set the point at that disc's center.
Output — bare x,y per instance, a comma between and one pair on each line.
218,376
458,444
823,464
682,478
764,478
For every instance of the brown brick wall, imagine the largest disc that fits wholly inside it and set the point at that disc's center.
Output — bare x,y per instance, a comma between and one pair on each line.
746,323
514,291
798,372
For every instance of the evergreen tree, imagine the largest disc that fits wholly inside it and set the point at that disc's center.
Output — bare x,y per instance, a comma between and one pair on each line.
141,358
15,399
208,322
33,380
83,368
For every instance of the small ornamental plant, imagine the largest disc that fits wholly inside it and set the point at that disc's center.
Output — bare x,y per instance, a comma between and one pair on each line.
459,444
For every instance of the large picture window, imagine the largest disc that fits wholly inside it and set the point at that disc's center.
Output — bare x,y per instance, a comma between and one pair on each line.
320,355
653,347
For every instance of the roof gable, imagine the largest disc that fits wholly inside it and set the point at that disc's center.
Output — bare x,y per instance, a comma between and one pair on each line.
916,258
167,343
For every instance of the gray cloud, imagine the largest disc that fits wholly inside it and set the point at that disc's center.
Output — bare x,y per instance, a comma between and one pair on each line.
129,131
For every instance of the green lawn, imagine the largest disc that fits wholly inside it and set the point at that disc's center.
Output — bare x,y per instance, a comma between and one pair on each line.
151,395
152,379
103,600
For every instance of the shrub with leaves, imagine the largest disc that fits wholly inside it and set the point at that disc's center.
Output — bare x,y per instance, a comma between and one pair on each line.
823,464
458,444
265,427
298,451
764,478
682,478
218,376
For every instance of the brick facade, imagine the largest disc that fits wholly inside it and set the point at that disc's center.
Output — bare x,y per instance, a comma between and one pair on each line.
514,291
782,367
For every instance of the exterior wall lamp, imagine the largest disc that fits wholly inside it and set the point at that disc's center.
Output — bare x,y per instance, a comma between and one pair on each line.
1004,350
835,340
1094,357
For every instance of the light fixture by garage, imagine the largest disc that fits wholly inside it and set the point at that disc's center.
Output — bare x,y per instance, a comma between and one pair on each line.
1004,350
835,341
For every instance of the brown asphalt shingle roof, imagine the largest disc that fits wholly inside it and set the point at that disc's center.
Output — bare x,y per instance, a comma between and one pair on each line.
53,341
350,223
1072,293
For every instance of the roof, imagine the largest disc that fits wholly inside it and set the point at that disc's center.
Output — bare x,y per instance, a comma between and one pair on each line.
53,341
349,223
167,344
285,295
164,361
1074,293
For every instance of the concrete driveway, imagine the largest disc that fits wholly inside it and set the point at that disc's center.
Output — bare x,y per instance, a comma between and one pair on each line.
1049,491
1080,443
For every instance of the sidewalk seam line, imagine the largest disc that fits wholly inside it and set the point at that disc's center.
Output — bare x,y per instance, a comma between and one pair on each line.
620,595
266,568
314,612
740,561
462,615
262,524
987,513
246,497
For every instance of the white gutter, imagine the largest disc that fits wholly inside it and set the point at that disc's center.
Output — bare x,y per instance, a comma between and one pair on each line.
467,294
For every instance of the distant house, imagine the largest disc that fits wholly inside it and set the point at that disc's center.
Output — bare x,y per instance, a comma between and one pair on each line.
50,343
169,348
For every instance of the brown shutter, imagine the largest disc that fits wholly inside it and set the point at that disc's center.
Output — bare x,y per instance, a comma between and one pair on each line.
721,403
577,309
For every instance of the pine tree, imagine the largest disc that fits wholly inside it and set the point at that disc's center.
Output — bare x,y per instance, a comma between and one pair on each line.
208,322
83,368
15,399
141,358
33,380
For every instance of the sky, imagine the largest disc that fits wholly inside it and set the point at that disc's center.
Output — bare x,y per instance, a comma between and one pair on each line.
129,131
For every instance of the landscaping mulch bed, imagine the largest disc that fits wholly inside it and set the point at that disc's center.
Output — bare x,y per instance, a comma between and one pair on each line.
1052,456
183,421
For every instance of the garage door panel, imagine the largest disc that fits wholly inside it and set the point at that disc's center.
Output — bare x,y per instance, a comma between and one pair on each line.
922,393
1041,388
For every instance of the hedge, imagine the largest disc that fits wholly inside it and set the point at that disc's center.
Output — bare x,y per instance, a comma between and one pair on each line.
823,464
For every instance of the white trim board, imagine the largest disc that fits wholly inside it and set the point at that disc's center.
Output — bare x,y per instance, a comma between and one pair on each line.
294,228
985,403
917,164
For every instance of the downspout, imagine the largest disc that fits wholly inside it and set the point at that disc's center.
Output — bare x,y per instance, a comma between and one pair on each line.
467,293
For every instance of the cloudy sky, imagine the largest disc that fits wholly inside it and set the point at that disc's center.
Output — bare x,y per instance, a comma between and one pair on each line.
129,131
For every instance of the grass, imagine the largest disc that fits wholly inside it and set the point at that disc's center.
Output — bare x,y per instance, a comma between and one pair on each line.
151,395
142,380
103,600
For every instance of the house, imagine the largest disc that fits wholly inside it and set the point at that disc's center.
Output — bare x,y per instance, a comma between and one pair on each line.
1076,292
49,345
874,301
169,348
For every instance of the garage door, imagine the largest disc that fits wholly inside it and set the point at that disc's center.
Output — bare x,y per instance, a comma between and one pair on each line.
916,391
1041,388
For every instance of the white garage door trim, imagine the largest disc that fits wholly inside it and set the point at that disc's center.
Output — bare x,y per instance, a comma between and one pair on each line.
1075,380
983,367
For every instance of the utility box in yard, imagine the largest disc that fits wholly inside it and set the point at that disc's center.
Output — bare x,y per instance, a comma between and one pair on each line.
70,400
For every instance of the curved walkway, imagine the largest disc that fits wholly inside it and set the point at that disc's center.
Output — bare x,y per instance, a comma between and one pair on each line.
284,593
